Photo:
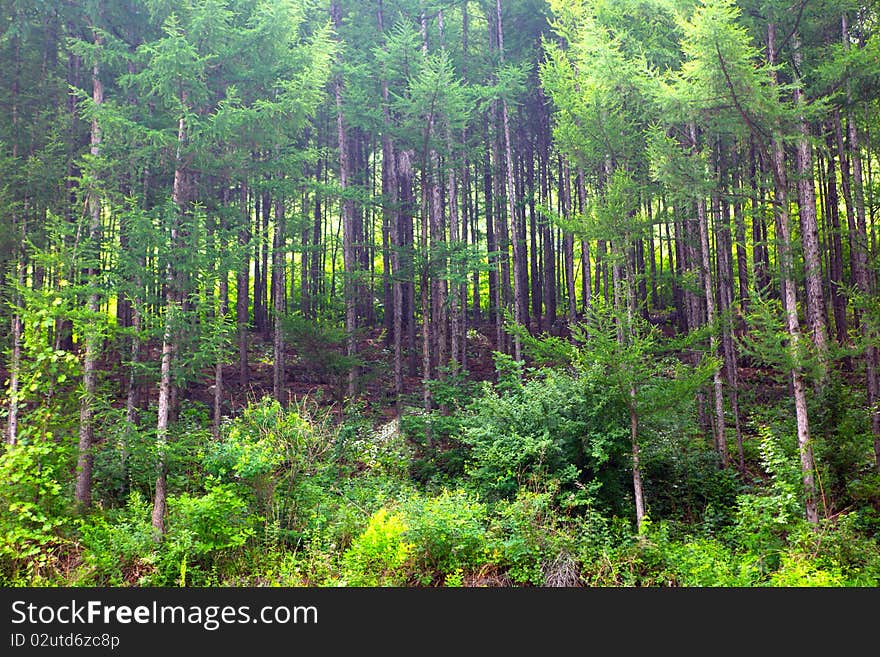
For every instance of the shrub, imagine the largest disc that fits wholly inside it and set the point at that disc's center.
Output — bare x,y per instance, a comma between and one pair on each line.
268,449
119,548
552,427
763,520
530,542
32,510
447,532
379,556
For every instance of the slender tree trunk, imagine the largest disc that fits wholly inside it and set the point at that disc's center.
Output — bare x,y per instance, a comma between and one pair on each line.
623,336
835,264
166,385
85,458
809,227
862,272
742,260
568,242
278,280
790,308
709,292
19,228
549,270
242,289
348,220
587,291
519,311
491,243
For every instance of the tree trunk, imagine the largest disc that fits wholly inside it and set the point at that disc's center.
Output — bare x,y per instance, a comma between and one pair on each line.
777,162
709,293
242,289
809,227
519,310
348,219
568,241
278,280
169,347
85,458
862,273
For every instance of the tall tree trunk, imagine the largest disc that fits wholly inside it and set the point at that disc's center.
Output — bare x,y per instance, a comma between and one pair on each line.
549,291
169,341
568,241
242,289
781,203
278,280
742,260
406,239
835,264
586,279
348,219
491,243
808,222
519,311
862,273
623,299
709,293
391,231
85,458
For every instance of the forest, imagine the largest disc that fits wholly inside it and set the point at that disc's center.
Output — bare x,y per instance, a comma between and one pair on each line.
440,293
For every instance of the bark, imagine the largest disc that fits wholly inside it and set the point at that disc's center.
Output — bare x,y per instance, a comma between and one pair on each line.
169,346
835,256
711,318
278,279
781,205
860,248
85,458
392,285
19,227
586,281
519,310
806,193
568,242
349,257
242,289
549,273
534,262
491,243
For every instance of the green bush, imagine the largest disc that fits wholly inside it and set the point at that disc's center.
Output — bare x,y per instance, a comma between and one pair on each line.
553,427
682,480
380,555
447,531
33,510
119,547
762,520
530,543
267,450
202,530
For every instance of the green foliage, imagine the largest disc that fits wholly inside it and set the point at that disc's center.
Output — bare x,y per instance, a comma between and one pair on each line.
33,505
694,561
531,542
447,533
683,482
202,529
320,347
442,461
378,557
119,548
268,450
763,520
552,426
